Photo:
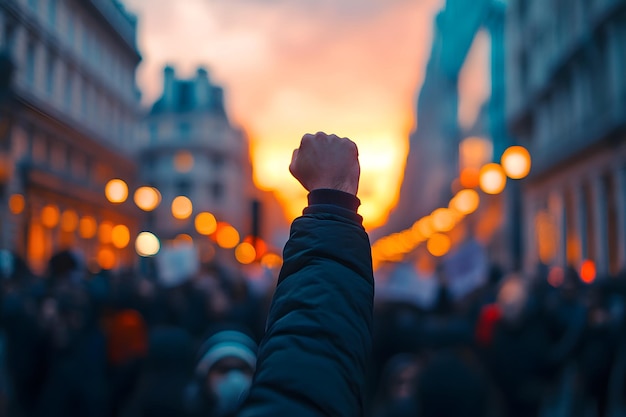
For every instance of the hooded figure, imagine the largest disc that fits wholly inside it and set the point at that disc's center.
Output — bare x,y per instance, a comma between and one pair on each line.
223,374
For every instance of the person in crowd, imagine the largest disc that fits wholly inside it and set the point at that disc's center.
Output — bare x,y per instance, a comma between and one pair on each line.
161,390
314,357
223,373
397,387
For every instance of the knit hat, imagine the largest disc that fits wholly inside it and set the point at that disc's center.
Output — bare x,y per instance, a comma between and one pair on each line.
226,344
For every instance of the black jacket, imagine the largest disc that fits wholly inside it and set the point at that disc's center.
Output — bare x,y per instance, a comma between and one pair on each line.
314,356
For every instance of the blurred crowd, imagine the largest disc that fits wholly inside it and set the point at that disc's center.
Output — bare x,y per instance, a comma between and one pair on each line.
75,343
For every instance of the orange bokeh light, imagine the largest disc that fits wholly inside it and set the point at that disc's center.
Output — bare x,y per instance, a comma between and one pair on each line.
69,221
469,177
205,223
147,198
16,203
438,244
588,271
245,253
116,191
50,216
120,236
183,161
105,232
87,227
271,261
516,162
226,236
443,220
492,179
106,258
182,207
465,201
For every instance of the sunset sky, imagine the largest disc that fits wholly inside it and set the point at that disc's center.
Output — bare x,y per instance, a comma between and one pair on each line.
288,67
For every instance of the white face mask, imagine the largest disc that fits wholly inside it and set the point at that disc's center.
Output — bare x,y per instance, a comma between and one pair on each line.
231,391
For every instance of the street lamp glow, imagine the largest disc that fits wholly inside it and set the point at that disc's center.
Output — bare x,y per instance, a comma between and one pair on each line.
147,244
116,191
182,207
425,226
438,244
50,216
492,178
516,162
147,198
465,201
205,223
245,253
87,227
442,219
183,161
69,220
105,232
120,236
106,258
16,203
227,236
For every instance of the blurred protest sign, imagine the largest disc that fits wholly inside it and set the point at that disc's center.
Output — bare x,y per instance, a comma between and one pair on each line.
177,264
466,269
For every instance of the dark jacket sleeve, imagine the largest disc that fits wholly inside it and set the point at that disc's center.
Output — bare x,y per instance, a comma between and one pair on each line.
314,356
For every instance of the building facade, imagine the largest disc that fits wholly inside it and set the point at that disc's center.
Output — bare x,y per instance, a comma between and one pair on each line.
189,148
566,103
71,111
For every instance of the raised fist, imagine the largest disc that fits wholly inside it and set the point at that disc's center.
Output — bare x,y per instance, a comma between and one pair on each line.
326,161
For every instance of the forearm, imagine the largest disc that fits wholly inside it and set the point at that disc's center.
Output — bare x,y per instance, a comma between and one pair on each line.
313,359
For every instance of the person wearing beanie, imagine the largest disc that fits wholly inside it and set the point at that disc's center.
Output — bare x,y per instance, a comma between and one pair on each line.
223,374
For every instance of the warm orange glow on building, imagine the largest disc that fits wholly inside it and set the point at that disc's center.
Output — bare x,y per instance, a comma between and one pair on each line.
37,250
120,236
16,203
183,161
50,216
245,253
69,220
87,227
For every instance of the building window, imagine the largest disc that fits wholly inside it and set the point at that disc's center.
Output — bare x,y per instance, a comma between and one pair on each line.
183,187
218,161
50,72
217,191
52,12
30,62
153,132
69,88
9,36
184,130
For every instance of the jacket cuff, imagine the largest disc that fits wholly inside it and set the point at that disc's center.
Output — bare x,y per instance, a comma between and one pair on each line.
325,200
